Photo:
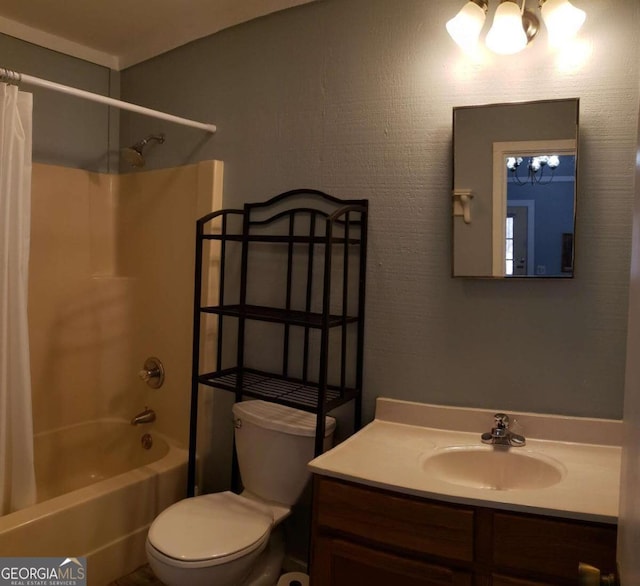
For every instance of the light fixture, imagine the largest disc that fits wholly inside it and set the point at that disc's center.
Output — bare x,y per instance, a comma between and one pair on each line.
514,26
506,35
562,19
465,27
535,169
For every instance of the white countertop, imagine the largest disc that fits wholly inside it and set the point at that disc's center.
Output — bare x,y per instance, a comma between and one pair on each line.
389,452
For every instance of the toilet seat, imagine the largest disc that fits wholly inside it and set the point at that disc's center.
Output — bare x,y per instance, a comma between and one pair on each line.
211,529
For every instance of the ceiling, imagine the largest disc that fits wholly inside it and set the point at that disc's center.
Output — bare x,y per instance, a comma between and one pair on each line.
121,33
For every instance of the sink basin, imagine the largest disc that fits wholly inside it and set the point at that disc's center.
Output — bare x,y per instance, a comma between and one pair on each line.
494,468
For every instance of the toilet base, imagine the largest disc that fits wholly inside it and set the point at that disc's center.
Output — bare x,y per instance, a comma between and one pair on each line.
268,566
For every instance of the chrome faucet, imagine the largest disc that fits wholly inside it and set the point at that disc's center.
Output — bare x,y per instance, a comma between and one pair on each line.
146,416
500,434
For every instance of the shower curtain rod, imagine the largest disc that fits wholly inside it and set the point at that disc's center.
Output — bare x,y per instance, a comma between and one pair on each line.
15,78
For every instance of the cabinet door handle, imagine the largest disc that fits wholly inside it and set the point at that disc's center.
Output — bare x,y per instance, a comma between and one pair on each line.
590,576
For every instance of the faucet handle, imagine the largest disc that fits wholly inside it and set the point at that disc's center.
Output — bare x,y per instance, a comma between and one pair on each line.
501,420
152,372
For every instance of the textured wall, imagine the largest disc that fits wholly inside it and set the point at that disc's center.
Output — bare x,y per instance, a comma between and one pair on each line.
67,131
355,97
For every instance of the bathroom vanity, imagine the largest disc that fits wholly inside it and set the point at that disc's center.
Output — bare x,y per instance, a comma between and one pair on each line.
377,537
384,515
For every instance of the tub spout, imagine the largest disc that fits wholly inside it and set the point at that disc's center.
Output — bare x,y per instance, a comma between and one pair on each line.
146,416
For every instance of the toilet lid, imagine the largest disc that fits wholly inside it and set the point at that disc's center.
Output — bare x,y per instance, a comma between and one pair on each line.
218,527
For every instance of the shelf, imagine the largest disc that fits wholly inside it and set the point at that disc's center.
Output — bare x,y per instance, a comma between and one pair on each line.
318,242
277,389
279,239
274,314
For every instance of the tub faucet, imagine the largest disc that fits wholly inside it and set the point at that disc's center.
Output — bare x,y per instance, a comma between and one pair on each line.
146,416
500,434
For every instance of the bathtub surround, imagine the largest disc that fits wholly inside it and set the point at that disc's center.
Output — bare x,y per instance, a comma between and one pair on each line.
79,306
111,284
17,476
111,274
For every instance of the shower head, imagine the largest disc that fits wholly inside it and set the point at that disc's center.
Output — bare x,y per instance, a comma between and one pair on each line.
133,154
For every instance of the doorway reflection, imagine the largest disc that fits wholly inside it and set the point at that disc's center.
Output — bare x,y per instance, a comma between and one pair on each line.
539,217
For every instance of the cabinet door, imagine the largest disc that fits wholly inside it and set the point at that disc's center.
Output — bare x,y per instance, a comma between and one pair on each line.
551,547
507,581
341,563
395,521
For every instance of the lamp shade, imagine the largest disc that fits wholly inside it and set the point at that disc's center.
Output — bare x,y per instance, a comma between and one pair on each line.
507,35
562,19
465,27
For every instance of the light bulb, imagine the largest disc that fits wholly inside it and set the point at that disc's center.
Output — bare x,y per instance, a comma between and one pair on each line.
465,27
507,35
562,19
513,163
553,161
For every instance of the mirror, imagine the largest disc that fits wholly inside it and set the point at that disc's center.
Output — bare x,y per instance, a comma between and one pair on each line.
514,189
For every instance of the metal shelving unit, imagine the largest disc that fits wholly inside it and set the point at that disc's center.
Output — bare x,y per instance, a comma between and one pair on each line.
320,243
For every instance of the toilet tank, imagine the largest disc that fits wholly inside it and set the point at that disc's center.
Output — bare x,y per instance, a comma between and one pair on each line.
274,444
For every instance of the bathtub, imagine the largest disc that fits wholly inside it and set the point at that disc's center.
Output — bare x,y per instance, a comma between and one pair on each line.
99,490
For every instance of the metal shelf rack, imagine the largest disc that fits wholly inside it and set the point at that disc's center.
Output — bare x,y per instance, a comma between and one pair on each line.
314,298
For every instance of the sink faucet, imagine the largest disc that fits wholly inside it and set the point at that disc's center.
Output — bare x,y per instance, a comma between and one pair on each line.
500,434
146,416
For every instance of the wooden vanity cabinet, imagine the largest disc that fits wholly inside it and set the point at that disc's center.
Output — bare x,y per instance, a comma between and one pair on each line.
498,580
362,535
344,563
376,538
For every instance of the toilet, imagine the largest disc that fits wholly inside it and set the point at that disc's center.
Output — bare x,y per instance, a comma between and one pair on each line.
226,539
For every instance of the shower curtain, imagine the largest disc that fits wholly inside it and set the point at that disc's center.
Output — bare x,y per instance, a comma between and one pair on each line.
17,474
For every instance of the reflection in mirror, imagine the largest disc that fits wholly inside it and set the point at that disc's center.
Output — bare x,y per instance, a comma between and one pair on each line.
533,199
515,189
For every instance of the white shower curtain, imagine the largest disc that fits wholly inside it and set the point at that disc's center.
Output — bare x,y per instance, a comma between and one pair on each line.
17,475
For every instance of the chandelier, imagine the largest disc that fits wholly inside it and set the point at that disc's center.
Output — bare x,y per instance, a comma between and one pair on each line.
514,26
535,169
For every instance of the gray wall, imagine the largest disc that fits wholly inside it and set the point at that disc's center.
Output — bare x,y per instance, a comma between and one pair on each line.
67,131
355,97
